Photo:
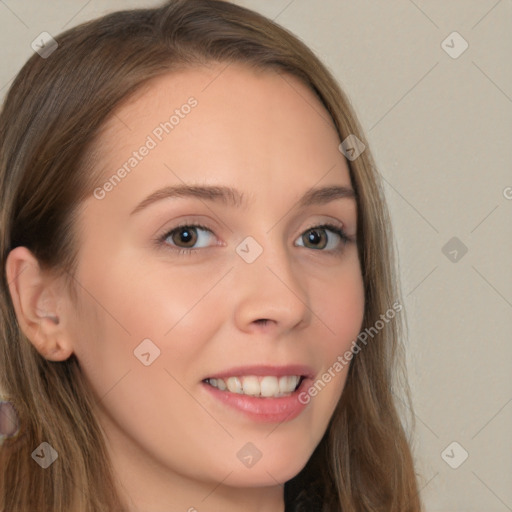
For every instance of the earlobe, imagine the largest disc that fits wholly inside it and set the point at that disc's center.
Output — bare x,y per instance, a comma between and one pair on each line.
36,296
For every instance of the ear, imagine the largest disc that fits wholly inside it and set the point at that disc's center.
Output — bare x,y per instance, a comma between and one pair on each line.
39,299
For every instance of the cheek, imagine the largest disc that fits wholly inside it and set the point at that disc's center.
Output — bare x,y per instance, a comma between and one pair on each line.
143,324
138,300
139,355
339,305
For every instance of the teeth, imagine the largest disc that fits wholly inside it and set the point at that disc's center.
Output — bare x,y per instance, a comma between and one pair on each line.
288,382
251,386
234,385
268,386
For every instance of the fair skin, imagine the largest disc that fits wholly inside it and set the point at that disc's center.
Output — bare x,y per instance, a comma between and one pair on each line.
173,444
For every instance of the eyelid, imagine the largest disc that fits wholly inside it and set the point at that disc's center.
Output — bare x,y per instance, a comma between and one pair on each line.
327,224
335,226
187,223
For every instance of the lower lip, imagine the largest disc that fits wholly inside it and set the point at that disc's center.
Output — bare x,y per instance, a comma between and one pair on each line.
263,410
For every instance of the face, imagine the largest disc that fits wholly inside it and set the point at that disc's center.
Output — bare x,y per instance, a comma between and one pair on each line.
259,288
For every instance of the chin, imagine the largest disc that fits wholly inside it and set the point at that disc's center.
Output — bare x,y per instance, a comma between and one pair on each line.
270,471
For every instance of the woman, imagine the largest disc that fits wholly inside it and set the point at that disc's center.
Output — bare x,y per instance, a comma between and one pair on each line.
199,310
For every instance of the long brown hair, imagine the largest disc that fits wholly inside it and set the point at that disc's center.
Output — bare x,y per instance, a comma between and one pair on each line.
50,120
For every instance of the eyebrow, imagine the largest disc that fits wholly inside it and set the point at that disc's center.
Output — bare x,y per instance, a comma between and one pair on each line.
233,197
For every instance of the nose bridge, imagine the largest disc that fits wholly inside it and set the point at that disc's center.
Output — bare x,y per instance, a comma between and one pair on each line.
268,287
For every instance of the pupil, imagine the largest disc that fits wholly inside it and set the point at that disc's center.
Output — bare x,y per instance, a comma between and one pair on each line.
186,236
314,237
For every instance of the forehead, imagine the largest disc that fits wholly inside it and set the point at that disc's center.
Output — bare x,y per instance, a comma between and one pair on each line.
235,88
226,122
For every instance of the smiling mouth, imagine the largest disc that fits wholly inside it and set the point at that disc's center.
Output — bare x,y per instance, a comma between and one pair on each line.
268,386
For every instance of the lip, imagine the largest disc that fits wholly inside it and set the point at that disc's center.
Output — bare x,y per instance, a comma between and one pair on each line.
263,409
264,370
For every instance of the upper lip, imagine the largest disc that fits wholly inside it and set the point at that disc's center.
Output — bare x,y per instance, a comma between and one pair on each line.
264,370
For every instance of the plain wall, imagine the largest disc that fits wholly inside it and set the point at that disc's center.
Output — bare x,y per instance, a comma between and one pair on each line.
440,129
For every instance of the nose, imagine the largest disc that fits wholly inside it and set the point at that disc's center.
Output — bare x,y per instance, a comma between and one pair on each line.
270,293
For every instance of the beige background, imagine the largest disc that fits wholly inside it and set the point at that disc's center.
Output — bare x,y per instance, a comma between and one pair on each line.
441,132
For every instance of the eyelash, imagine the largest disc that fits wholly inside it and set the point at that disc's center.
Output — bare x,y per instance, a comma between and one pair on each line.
180,251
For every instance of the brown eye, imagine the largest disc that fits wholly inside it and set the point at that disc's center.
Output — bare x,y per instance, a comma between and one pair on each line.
327,238
184,236
188,236
316,237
